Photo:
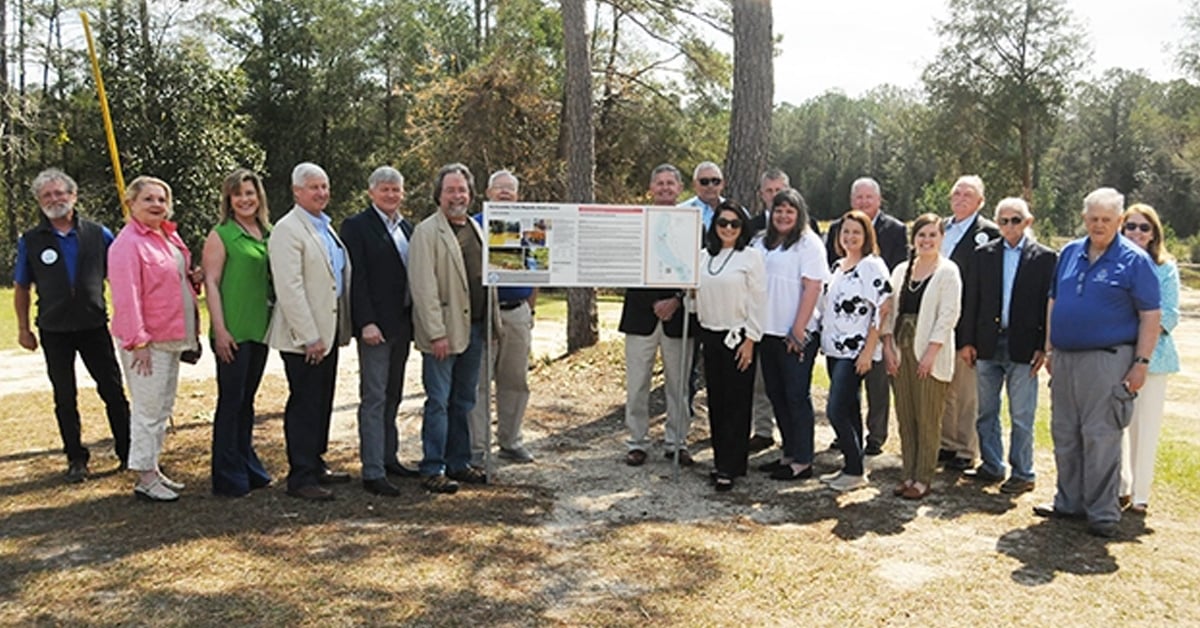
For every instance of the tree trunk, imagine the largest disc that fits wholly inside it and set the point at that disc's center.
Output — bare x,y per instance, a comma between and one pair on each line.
582,322
753,91
6,140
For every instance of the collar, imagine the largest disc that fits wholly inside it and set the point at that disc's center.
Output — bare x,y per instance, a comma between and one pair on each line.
168,227
1020,244
390,222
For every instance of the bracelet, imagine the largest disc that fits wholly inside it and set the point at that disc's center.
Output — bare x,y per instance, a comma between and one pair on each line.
141,346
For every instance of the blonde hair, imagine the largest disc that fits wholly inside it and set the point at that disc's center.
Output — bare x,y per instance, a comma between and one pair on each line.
231,185
137,185
1157,251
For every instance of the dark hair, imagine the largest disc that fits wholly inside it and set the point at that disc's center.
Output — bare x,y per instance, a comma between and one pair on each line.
870,245
449,169
922,221
774,239
712,242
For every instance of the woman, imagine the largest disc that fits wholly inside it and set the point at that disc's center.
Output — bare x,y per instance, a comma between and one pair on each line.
1143,227
237,281
729,306
796,269
852,308
154,318
918,347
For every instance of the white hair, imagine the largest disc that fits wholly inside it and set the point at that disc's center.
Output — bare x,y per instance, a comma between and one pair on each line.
1015,204
500,174
385,174
305,171
1104,198
706,165
972,180
867,181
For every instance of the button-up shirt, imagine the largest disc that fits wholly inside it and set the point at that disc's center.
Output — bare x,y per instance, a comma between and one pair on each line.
955,231
1012,261
333,250
706,210
394,227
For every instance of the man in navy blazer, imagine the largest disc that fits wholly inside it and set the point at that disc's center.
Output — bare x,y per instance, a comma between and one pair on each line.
891,236
1004,331
381,313
966,229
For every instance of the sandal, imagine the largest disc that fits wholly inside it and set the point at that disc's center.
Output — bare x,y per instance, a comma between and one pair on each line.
723,483
901,487
635,458
914,493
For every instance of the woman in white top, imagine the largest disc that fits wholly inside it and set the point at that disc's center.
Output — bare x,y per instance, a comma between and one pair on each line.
729,305
852,307
796,269
918,347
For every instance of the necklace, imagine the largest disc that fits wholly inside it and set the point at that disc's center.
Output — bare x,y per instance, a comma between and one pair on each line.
914,285
723,264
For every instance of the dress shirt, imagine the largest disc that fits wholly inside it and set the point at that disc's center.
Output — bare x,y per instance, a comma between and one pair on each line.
955,232
1012,261
337,258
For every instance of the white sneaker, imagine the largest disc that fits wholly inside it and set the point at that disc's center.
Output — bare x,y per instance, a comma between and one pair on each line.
829,477
848,483
169,483
155,491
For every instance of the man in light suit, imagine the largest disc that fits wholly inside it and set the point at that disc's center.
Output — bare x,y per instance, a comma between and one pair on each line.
377,240
966,229
311,273
449,305
890,235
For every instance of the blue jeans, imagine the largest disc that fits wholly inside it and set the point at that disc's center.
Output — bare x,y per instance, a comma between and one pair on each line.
449,396
235,466
380,389
845,412
788,380
1022,405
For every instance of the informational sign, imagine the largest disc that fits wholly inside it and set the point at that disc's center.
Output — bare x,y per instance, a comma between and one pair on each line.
564,245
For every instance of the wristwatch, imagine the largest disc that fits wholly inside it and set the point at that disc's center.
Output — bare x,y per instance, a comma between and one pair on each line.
1140,360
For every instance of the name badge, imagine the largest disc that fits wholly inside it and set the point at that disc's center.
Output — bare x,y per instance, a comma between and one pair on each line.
49,256
981,238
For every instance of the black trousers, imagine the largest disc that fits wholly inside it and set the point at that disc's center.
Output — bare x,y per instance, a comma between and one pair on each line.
95,348
730,396
307,414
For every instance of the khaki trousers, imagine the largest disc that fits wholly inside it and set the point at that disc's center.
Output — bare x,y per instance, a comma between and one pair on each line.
962,410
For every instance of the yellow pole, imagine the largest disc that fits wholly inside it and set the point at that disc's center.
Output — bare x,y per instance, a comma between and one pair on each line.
108,125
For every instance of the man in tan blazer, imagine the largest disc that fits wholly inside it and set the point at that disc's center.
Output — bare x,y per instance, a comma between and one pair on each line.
449,304
311,273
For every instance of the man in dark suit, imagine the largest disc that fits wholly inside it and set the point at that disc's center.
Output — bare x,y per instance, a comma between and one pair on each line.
381,313
965,230
772,182
891,236
652,321
1004,331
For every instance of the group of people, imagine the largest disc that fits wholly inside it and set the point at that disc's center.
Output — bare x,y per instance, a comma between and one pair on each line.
297,286
946,317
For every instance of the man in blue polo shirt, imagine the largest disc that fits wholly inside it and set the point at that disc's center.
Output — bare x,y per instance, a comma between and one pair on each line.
66,256
1103,319
509,355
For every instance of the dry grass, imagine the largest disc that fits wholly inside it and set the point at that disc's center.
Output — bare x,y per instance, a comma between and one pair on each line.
576,539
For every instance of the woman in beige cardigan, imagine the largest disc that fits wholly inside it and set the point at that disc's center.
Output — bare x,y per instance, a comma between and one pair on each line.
918,348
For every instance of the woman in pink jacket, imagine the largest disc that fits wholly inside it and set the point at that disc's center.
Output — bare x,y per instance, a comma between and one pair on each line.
154,321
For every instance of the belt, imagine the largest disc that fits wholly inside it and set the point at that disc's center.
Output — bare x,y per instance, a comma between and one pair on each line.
511,305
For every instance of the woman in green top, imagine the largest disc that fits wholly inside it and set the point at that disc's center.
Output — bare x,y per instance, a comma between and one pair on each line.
238,284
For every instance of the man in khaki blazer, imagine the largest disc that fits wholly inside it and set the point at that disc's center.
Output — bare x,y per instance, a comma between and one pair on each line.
449,305
311,319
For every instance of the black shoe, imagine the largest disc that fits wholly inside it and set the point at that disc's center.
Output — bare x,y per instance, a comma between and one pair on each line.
381,486
401,471
77,471
760,443
312,493
722,482
836,445
1104,529
873,449
333,477
1048,511
685,458
959,464
772,466
786,472
1016,486
946,455
981,474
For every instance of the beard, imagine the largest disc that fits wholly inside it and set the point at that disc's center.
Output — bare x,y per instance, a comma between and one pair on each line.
57,210
456,211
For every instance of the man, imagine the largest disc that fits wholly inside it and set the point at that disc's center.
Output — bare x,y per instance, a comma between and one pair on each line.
708,184
1104,321
1005,313
965,230
509,355
66,256
449,304
311,273
652,321
381,315
890,236
772,182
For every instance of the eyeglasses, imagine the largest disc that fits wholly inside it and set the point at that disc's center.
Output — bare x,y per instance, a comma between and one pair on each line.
1004,222
726,222
1144,227
709,180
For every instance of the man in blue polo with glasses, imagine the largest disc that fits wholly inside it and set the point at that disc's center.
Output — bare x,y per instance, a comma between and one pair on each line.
708,184
1103,319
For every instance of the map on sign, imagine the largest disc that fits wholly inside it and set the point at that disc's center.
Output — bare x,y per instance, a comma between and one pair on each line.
620,246
671,247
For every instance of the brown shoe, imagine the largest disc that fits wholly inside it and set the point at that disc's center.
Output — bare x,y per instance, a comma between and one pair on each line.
635,457
439,484
900,488
685,458
760,443
312,493
1016,486
915,493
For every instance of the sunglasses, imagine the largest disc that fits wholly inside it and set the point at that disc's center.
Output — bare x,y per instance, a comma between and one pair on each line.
709,180
726,222
1144,227
1004,222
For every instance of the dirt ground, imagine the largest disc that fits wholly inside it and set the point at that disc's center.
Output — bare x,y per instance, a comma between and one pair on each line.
594,542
